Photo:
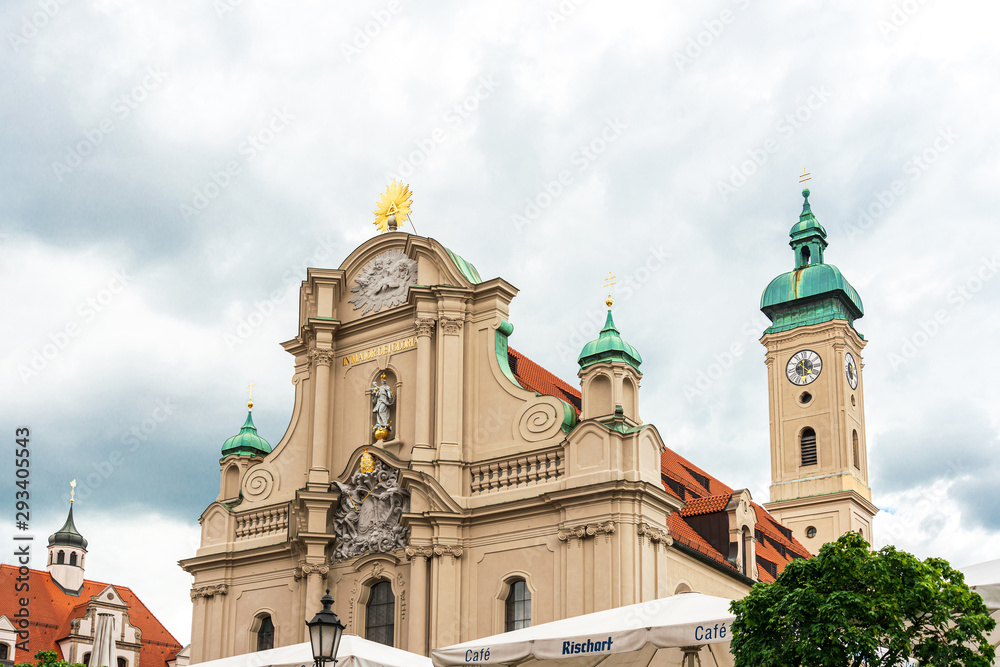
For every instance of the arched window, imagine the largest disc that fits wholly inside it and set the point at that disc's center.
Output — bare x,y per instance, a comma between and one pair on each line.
72,558
517,607
380,614
265,633
61,558
856,450
807,441
86,659
805,256
122,662
4,651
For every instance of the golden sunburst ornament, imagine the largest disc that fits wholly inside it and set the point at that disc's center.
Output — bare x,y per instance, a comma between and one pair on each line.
393,207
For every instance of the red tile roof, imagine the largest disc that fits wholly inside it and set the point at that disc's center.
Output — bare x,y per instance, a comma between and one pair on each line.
707,505
702,493
52,611
537,379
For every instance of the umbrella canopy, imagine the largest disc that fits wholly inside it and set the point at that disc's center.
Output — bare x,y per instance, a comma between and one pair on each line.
649,633
354,652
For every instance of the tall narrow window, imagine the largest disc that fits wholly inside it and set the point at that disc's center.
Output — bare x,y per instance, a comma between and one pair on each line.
265,634
518,606
86,659
60,558
856,450
808,442
72,558
122,662
4,651
380,616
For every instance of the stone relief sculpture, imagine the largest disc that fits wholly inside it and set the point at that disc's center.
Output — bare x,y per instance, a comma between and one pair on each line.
384,281
368,517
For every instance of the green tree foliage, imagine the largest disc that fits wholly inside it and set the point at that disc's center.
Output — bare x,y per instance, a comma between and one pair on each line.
48,659
851,606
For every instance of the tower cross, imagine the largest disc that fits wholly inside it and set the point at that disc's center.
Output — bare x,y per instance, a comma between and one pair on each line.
72,491
608,282
805,178
250,391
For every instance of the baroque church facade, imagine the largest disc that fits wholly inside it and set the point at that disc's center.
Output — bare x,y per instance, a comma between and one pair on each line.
444,487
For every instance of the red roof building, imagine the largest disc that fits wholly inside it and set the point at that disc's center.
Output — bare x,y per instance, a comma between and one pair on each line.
91,622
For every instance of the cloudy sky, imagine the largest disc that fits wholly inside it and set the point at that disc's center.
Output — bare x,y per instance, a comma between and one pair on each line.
169,169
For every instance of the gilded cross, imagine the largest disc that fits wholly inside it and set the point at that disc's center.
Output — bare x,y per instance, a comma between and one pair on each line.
72,490
608,282
250,391
805,178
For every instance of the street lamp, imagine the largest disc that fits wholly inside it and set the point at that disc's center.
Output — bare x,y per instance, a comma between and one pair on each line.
325,631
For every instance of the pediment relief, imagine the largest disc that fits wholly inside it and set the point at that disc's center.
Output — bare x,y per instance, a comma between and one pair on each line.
109,596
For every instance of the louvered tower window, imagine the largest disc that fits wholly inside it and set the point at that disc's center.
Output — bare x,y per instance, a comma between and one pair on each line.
856,452
808,444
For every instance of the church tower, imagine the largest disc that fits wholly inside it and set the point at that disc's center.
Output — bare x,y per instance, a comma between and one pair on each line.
819,461
609,377
67,551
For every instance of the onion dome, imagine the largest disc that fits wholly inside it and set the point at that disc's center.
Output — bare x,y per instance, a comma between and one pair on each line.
609,347
68,535
246,442
814,291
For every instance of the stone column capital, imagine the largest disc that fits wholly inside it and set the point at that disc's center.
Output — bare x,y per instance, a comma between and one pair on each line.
424,326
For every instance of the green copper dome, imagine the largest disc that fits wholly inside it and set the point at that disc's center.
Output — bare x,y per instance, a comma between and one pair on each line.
68,535
609,346
246,442
814,291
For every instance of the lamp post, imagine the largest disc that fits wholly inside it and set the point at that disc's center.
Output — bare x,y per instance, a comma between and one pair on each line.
325,631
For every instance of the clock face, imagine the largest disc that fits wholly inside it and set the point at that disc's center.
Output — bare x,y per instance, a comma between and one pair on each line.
851,368
804,367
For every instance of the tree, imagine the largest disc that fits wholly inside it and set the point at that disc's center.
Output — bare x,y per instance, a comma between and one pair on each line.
48,659
850,606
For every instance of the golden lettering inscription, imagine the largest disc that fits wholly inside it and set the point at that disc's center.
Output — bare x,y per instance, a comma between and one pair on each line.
372,352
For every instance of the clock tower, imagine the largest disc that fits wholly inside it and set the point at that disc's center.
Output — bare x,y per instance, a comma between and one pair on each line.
819,461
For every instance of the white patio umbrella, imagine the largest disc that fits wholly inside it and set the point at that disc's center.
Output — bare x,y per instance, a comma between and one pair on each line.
650,633
984,578
354,652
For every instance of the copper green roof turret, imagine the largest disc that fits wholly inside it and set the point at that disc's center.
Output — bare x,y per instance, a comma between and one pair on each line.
246,442
68,535
609,346
814,291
